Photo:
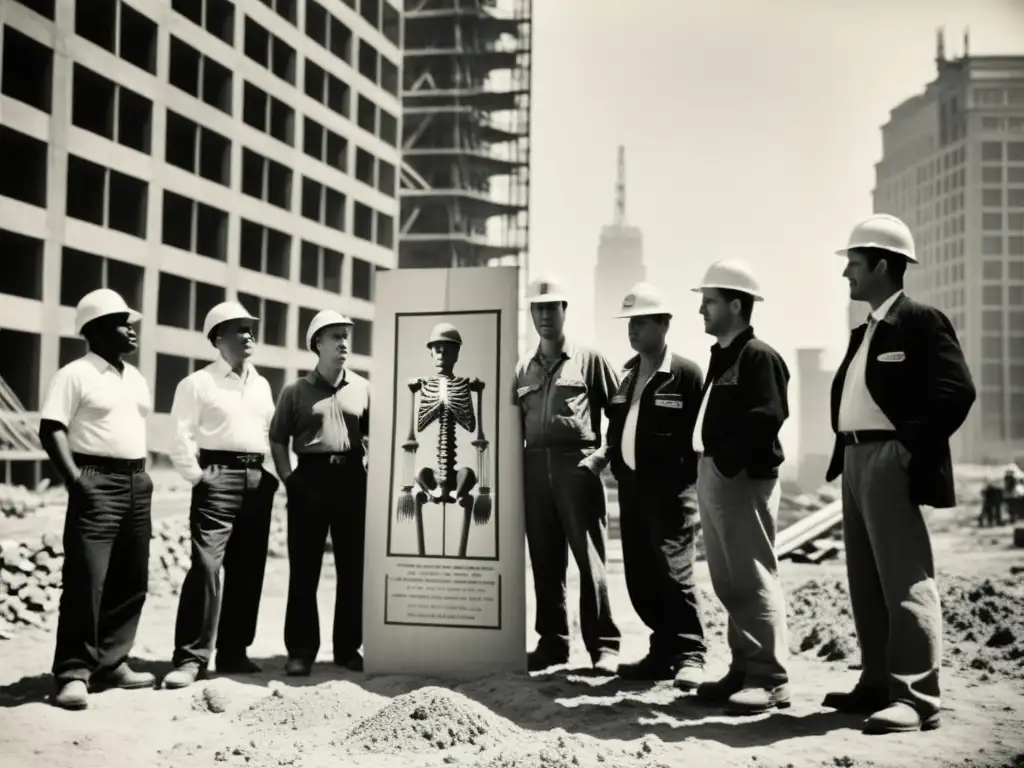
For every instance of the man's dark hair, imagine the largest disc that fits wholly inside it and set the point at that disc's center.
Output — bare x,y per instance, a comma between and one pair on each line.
895,263
745,299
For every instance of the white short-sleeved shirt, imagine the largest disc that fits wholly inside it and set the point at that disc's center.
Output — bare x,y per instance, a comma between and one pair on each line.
103,409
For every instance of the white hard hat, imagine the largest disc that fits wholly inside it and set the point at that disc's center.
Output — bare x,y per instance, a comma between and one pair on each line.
733,275
100,303
885,232
320,321
545,291
643,299
226,310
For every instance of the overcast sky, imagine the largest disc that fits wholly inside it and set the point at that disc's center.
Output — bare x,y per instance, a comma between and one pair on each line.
751,131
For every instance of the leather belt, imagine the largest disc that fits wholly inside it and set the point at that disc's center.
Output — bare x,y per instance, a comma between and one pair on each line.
230,459
322,458
110,465
867,436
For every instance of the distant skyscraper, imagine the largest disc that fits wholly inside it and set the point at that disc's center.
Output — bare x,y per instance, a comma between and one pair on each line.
952,168
620,264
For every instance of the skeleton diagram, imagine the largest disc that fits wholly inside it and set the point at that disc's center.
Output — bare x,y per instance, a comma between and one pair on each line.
448,400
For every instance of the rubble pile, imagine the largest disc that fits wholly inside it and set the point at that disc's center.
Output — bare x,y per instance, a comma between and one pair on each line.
30,573
17,501
429,719
330,703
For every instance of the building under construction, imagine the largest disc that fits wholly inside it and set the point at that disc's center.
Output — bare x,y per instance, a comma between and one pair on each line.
466,134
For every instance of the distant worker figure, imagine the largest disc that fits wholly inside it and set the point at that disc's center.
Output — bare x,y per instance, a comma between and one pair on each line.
221,415
650,447
743,406
561,390
991,505
902,390
325,418
93,428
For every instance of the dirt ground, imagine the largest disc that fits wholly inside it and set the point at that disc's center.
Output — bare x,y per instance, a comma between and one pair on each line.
569,717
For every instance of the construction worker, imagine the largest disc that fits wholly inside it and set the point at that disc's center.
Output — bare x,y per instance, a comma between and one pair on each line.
650,449
561,390
743,405
324,417
902,390
93,428
221,415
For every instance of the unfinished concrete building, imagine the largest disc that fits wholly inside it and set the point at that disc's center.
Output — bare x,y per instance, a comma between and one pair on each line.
465,178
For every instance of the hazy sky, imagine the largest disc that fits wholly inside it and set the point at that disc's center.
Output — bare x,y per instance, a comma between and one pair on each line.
751,131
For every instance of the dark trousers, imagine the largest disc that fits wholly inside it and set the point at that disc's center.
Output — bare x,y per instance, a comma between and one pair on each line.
106,567
230,524
565,510
325,498
659,550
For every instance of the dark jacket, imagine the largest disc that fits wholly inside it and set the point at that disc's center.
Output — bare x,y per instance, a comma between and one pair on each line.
664,428
925,390
746,407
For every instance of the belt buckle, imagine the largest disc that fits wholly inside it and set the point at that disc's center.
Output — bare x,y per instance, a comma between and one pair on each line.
250,461
334,458
856,440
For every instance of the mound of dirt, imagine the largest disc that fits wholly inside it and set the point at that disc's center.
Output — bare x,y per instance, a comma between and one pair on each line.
558,749
334,702
428,719
983,623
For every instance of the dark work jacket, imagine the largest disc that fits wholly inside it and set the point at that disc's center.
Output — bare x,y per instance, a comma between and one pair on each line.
923,387
664,427
746,407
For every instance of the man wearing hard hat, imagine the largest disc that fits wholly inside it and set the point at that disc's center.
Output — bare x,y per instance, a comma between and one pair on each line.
93,428
324,417
902,390
561,390
221,415
743,406
650,436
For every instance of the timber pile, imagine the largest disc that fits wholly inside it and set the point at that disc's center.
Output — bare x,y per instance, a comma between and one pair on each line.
30,573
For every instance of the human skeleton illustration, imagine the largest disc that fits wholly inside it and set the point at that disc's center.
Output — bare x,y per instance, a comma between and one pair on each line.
448,400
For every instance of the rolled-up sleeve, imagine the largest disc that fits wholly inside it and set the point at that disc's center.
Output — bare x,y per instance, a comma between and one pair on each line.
184,451
282,422
62,398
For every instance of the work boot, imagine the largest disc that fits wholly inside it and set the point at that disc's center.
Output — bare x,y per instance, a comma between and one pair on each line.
183,676
542,657
650,667
753,700
689,676
298,667
72,695
236,663
862,700
607,662
899,718
352,662
123,677
718,692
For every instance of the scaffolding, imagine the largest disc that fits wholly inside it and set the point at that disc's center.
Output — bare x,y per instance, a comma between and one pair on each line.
465,179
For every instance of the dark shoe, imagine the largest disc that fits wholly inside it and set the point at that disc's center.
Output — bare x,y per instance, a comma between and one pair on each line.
72,695
542,658
899,718
649,668
235,663
298,667
607,662
689,677
123,677
352,662
862,700
183,676
754,701
718,692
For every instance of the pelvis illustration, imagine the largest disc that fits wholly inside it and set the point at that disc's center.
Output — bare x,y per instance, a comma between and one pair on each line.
448,400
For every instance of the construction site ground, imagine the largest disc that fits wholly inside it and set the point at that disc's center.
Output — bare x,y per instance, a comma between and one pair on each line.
568,717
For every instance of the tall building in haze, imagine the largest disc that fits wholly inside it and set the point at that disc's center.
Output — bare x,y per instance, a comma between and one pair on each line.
952,168
620,264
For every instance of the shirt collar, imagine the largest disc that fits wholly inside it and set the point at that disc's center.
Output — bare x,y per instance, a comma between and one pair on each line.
100,363
665,367
315,378
738,341
568,350
883,308
223,369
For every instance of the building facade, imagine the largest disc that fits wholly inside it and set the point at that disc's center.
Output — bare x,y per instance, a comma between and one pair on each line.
184,152
953,168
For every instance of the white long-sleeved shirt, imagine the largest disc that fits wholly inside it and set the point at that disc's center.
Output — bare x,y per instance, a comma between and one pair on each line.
215,409
858,411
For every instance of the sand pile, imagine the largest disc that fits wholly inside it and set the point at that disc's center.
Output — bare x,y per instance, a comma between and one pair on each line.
984,623
334,703
429,719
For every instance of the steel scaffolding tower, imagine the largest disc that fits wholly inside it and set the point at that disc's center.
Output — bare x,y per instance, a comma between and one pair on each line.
466,134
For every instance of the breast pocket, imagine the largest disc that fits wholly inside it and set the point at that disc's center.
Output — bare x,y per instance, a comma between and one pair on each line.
571,401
